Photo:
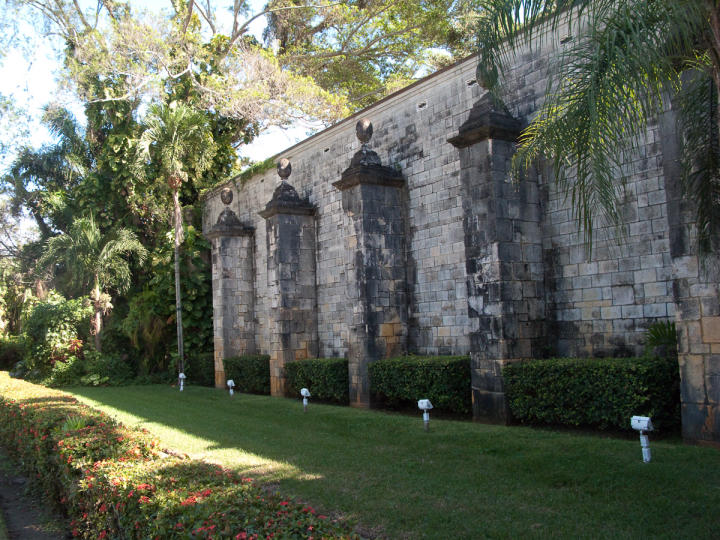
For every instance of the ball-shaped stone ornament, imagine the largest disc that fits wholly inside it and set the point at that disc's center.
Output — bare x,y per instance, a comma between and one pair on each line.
364,130
284,168
226,196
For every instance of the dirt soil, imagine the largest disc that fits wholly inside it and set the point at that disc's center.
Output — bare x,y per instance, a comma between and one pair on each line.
25,515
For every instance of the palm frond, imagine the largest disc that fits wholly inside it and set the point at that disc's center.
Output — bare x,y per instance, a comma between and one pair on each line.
602,91
698,124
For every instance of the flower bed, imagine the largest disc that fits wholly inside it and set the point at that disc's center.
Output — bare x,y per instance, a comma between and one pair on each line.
115,482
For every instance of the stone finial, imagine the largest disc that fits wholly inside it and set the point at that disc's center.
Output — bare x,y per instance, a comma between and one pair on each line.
365,157
284,168
226,196
364,130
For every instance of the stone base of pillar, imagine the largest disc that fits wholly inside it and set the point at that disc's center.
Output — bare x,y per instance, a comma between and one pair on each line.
488,391
701,424
219,379
278,381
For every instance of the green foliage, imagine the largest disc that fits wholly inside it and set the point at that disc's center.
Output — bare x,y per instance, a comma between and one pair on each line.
90,368
200,368
53,332
600,393
155,312
256,168
93,259
147,328
12,350
113,482
444,380
326,378
360,48
250,372
662,336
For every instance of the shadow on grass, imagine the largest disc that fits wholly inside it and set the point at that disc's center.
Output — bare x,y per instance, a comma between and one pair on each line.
460,480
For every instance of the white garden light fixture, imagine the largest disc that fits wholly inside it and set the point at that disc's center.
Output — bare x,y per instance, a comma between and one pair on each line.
643,424
424,405
182,378
231,384
305,393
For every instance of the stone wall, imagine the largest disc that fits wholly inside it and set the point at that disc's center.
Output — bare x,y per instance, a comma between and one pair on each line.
430,248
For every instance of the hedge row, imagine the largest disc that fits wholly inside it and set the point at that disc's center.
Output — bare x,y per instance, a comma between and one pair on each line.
326,378
444,380
200,368
600,393
249,372
115,482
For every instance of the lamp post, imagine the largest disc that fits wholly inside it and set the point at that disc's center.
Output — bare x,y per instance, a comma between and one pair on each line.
643,424
424,405
305,393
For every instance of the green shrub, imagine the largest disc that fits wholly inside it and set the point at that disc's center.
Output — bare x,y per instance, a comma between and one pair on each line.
113,482
601,393
114,367
12,350
90,368
66,372
55,330
444,380
250,372
200,368
326,378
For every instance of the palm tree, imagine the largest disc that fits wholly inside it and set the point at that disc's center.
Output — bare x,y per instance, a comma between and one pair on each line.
95,262
627,59
178,142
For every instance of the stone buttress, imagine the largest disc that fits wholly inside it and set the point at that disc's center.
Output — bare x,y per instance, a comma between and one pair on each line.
503,251
373,196
290,227
233,287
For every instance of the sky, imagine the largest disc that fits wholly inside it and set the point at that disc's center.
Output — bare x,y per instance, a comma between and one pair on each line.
32,83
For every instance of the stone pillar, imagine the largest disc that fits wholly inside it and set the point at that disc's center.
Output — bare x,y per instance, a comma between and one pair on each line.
373,196
503,255
696,291
290,225
233,287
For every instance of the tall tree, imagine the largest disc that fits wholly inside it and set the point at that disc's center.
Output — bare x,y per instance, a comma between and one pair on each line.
178,144
626,60
95,262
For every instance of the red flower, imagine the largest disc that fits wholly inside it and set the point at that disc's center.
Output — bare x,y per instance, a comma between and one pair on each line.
103,508
190,500
284,503
144,499
102,534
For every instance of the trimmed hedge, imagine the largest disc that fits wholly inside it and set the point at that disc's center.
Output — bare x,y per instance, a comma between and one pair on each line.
200,369
599,392
444,380
115,482
326,378
249,372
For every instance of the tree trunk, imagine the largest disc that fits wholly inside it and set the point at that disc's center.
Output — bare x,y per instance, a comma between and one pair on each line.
178,299
96,324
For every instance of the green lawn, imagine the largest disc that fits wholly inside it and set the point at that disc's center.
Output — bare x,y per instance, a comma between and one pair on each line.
460,480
